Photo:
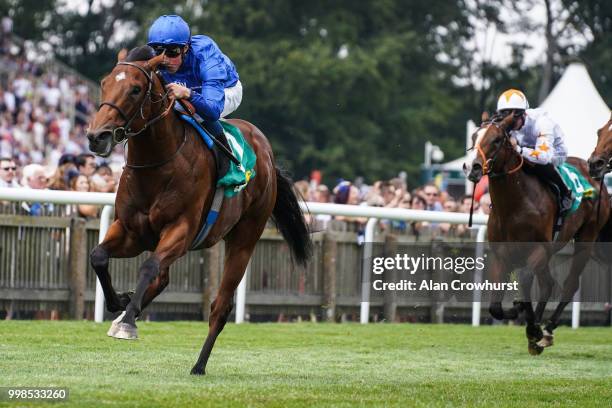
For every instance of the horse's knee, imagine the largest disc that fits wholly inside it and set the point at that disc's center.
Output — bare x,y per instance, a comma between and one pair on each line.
99,258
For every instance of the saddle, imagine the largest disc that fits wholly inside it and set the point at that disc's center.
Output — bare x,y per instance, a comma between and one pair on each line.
222,162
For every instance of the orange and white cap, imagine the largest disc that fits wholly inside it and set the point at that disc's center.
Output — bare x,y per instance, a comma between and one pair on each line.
512,99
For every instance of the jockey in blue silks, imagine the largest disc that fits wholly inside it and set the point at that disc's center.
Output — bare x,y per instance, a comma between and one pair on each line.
197,70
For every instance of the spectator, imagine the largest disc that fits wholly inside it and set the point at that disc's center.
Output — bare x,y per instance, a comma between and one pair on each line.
86,164
81,183
346,193
61,178
449,206
34,178
418,202
431,194
106,173
465,204
302,187
8,172
321,195
484,205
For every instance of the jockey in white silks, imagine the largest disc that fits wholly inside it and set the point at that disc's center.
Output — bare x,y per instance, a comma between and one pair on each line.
540,140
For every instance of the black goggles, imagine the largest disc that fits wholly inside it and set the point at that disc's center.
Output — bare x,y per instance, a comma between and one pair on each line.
516,112
172,51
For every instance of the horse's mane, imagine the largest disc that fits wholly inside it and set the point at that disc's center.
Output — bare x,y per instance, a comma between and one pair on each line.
142,53
503,121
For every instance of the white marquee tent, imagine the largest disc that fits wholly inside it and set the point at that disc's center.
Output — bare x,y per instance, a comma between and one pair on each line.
575,105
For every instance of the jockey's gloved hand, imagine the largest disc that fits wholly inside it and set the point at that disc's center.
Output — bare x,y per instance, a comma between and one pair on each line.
179,91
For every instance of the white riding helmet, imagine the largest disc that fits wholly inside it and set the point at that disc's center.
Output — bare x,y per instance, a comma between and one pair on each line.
512,99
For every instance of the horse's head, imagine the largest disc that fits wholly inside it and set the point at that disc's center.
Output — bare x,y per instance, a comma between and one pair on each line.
495,148
127,101
600,161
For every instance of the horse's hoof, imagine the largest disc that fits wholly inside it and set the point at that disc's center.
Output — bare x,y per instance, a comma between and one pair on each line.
126,331
547,339
197,371
115,325
535,349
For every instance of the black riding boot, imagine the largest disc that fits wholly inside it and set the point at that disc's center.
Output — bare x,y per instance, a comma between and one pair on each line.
216,130
550,173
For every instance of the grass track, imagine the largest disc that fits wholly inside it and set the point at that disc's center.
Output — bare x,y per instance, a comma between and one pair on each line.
308,365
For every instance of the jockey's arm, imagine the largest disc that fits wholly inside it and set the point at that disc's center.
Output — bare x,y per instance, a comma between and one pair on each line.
210,100
543,151
209,103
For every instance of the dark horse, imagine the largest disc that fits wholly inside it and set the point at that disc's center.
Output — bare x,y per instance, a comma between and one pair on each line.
524,211
166,190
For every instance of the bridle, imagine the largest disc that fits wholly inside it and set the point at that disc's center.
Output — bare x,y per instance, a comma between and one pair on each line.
125,131
487,164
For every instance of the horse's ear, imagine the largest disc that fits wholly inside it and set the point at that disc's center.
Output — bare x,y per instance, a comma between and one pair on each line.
484,117
154,62
122,54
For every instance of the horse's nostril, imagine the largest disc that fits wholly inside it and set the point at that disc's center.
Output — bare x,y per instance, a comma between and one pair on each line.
90,137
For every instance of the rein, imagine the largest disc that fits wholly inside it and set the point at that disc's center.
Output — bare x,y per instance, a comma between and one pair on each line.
168,160
124,132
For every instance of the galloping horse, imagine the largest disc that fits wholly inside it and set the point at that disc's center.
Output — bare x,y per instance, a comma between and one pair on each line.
166,191
524,210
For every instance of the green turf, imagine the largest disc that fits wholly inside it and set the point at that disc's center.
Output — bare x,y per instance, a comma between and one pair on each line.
308,365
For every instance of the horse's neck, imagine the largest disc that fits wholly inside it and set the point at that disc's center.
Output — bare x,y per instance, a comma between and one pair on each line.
156,143
506,192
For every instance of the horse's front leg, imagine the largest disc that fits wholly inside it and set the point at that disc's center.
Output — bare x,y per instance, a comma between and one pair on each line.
116,244
172,245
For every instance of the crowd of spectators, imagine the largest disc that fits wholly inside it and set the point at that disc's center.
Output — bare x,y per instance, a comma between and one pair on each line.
393,193
72,173
43,116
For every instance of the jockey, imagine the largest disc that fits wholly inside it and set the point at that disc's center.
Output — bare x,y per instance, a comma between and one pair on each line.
197,71
540,140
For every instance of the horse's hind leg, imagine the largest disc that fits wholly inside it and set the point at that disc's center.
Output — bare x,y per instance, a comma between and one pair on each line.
238,249
116,244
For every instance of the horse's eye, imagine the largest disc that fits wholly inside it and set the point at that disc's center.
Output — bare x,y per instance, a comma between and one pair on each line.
136,90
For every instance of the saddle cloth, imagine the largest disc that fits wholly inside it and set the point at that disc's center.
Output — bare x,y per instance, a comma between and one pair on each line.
575,181
236,177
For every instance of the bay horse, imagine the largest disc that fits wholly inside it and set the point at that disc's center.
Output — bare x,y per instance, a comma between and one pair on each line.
166,190
524,210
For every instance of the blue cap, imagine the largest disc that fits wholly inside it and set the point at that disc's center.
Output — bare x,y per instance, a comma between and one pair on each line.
169,30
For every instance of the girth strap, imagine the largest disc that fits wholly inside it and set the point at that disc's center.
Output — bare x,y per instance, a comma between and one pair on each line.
211,218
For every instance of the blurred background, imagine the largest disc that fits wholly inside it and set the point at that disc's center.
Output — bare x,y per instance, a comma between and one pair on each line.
350,88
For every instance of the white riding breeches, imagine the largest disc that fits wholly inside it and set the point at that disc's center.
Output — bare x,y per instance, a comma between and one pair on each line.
233,97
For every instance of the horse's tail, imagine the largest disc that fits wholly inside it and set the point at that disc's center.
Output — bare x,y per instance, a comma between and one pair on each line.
289,219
